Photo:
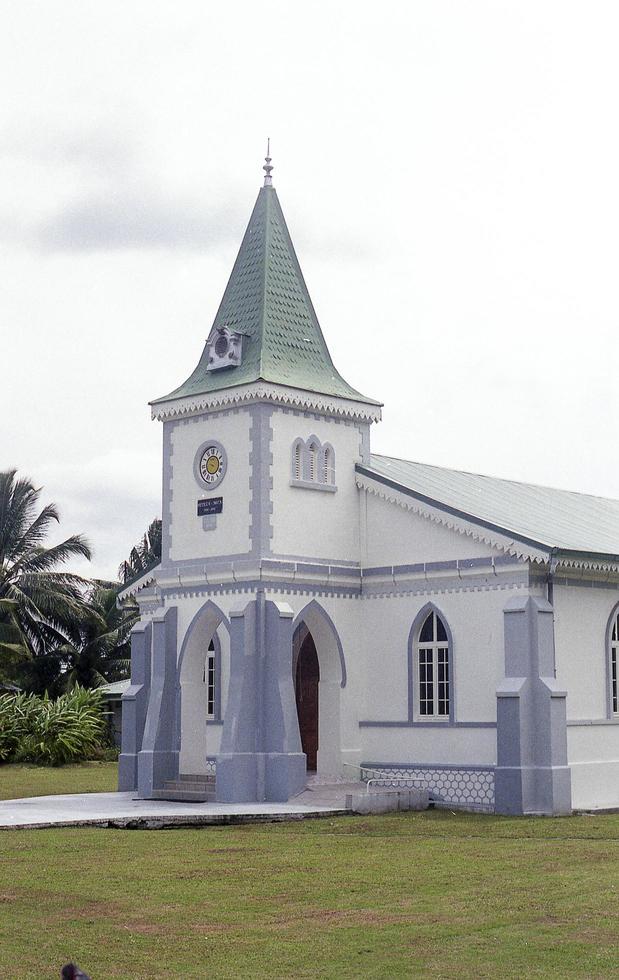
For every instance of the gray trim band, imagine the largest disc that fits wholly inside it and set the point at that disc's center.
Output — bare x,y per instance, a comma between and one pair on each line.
426,765
592,723
300,586
427,724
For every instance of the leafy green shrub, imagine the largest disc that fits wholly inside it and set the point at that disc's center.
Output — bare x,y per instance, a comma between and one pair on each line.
16,715
69,729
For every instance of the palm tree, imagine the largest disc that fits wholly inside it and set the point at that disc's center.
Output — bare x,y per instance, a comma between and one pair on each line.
144,555
37,602
98,647
12,650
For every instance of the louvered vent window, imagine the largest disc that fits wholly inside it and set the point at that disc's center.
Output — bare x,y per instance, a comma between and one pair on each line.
327,465
313,464
298,461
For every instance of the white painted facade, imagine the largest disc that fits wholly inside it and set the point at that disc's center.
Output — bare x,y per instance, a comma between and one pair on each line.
374,720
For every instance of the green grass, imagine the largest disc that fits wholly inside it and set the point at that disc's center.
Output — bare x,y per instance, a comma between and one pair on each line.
17,781
404,895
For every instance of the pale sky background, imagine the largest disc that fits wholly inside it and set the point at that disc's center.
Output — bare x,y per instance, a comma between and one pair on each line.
449,172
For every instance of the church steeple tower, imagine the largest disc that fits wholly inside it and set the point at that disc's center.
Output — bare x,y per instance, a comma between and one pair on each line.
267,317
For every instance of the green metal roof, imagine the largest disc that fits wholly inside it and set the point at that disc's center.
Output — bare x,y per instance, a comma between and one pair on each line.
558,520
267,301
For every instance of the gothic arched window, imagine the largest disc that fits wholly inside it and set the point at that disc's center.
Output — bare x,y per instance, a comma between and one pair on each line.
613,665
211,681
433,663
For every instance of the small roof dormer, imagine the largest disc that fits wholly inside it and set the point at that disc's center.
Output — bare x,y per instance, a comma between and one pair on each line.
266,328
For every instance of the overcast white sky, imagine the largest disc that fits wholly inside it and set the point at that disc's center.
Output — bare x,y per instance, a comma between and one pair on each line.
449,174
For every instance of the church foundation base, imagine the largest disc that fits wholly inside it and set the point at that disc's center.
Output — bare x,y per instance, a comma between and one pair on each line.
254,777
537,790
285,776
154,768
127,772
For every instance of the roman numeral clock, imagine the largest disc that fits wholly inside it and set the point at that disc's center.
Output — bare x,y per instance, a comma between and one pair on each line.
209,469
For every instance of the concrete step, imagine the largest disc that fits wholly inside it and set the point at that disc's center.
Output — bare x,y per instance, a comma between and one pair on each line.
188,788
197,778
184,785
185,795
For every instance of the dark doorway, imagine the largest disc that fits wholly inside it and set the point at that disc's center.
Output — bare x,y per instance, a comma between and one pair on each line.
306,690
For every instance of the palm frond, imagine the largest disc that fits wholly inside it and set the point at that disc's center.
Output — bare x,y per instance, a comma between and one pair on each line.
44,559
36,532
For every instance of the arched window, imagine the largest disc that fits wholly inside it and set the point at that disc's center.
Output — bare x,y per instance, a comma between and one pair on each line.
614,664
210,679
328,465
313,462
433,668
297,462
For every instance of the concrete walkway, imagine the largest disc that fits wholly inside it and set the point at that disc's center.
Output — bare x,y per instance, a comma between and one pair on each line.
123,810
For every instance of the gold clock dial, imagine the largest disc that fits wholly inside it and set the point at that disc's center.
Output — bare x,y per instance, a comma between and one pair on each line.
211,465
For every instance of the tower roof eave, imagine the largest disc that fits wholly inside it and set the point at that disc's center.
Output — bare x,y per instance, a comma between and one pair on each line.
259,391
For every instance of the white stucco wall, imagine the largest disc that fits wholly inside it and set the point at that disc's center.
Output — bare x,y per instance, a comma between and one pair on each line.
581,621
231,535
593,755
374,635
475,619
396,536
314,523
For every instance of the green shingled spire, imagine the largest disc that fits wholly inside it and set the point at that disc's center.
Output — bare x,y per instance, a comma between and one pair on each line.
266,300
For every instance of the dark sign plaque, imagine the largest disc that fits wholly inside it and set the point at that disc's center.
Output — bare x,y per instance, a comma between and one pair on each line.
213,505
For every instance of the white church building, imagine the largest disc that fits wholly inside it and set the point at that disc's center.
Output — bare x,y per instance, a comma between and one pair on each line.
320,608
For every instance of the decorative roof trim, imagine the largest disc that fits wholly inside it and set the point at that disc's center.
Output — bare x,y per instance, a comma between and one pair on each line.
438,513
139,583
579,559
264,391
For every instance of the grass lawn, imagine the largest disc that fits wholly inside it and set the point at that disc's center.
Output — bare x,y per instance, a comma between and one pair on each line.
404,895
17,781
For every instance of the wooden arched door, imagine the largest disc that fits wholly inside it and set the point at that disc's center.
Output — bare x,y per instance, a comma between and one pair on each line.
306,690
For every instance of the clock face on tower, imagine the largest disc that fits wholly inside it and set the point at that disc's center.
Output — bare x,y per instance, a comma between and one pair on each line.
210,464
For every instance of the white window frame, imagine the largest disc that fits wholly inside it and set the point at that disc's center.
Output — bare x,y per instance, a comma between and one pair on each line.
435,654
613,664
210,681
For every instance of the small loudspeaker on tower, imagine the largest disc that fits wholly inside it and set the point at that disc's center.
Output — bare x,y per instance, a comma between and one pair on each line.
225,348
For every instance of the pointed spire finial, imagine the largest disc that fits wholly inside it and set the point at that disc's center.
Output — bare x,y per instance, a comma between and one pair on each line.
268,180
